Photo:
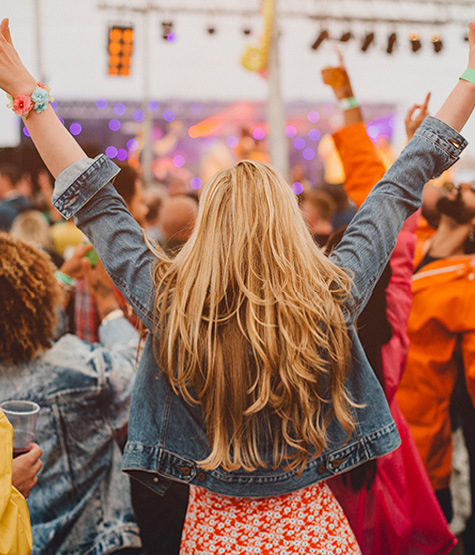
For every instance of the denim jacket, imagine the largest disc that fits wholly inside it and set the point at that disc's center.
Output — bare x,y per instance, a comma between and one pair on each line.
166,435
81,504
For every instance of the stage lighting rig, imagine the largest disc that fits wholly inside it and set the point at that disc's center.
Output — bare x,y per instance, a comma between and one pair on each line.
345,37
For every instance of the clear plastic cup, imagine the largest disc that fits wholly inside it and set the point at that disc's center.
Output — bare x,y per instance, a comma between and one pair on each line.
22,416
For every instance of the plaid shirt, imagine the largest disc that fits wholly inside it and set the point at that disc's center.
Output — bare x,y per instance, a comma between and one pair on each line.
86,317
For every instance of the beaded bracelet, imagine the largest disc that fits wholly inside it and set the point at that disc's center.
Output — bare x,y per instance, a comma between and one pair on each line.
38,101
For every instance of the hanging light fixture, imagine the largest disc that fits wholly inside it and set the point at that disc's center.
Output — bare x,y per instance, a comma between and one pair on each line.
437,43
416,45
368,39
392,43
324,35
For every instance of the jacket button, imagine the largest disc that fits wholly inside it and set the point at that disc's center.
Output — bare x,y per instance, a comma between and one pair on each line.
155,479
321,469
201,476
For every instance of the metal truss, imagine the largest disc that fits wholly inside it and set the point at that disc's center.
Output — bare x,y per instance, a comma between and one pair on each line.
411,12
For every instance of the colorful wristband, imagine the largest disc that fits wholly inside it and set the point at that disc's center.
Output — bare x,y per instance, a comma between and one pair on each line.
349,103
468,75
68,283
38,101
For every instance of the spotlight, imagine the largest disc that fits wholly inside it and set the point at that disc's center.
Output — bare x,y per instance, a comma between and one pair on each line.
167,27
392,42
367,40
345,37
437,43
120,48
415,42
321,37
211,30
246,31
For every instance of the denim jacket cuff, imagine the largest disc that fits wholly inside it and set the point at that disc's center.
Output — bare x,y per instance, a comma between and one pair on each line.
118,334
77,184
445,137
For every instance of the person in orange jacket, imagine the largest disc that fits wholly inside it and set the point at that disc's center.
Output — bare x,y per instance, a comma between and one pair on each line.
441,321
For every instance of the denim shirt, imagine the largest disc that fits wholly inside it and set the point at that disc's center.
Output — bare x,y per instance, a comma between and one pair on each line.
81,503
166,435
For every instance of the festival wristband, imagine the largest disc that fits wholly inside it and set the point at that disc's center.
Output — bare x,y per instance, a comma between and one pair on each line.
38,101
68,283
468,75
349,103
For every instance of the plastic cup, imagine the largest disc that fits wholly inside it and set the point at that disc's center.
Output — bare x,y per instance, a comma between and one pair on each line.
22,416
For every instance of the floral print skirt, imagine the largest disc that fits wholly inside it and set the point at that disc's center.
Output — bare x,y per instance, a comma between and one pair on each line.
306,521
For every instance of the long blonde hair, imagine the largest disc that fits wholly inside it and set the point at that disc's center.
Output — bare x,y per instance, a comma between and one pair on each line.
251,325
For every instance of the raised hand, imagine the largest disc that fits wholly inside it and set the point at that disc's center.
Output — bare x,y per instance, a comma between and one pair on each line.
15,79
415,116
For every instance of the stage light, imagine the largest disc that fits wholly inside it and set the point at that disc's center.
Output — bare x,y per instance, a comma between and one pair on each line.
246,30
367,41
345,37
392,42
324,35
437,43
211,30
167,28
120,48
415,41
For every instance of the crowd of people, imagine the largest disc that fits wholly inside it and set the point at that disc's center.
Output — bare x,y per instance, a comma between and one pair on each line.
234,371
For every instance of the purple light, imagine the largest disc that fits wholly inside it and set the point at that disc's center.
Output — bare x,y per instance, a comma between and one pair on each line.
178,161
75,128
152,105
308,154
168,115
138,115
111,151
196,183
26,132
122,154
119,109
313,116
232,141
61,120
54,105
297,188
373,131
392,123
171,37
258,133
132,144
314,134
290,131
101,103
299,143
196,108
114,125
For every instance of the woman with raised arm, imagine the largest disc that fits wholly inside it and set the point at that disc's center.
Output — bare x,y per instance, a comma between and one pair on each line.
253,386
